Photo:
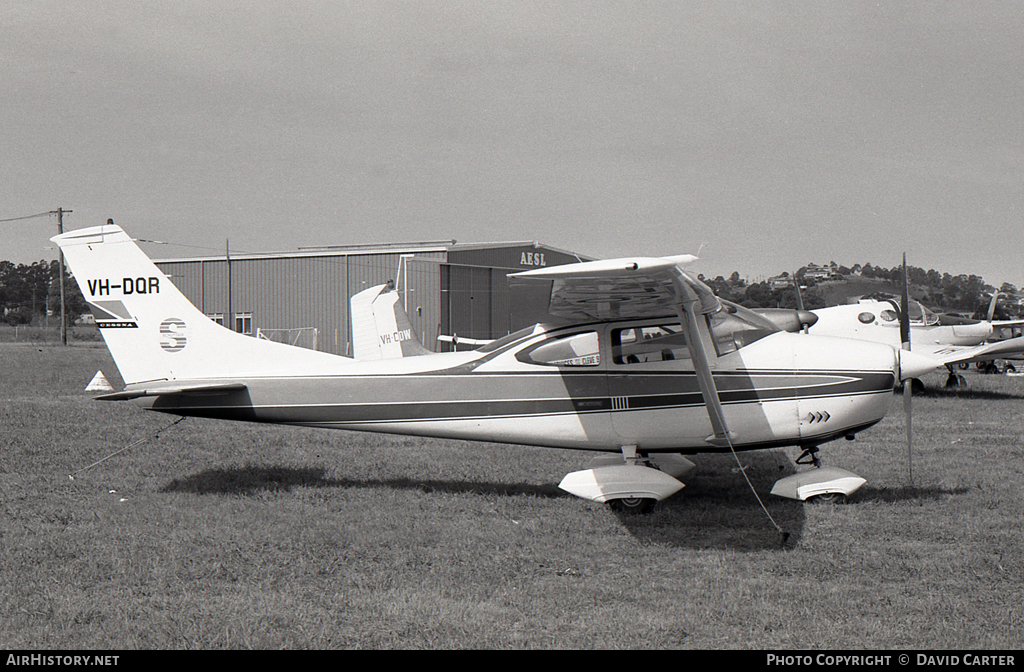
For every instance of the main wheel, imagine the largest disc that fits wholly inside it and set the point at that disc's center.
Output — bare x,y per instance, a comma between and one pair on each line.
632,505
829,498
955,380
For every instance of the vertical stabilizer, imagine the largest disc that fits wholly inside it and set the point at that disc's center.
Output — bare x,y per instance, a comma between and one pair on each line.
153,332
380,326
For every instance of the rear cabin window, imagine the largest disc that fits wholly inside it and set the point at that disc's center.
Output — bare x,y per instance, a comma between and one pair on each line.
575,350
525,332
658,343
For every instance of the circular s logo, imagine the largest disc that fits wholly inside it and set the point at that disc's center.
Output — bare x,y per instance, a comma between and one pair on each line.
172,334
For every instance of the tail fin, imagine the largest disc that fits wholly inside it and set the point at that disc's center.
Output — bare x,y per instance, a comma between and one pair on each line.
153,332
380,326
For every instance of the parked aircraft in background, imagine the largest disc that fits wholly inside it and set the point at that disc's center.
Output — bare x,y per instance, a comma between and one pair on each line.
653,365
381,329
950,342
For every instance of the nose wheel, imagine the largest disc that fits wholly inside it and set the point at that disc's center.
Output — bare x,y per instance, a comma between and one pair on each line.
826,485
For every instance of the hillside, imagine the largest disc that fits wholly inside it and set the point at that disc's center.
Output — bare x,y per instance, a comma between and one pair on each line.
962,294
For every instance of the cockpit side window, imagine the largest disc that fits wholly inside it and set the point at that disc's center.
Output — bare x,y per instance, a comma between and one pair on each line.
656,343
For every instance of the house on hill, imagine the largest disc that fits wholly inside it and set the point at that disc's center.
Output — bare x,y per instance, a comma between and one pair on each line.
814,272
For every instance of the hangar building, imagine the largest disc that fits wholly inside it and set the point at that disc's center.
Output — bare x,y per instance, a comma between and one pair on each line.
303,297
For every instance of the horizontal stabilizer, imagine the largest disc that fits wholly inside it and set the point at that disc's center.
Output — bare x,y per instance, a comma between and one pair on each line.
99,383
457,340
197,390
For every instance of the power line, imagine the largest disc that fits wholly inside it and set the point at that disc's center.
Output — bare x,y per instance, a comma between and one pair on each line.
40,214
60,212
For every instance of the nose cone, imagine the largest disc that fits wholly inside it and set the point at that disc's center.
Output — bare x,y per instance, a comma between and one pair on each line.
915,365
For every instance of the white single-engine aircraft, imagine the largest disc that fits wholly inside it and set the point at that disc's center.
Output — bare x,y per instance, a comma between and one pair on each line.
948,342
654,366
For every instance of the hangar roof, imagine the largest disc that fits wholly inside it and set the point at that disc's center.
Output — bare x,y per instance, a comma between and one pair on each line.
442,246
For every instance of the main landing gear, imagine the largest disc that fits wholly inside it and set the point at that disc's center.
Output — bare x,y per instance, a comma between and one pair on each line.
631,482
954,380
830,485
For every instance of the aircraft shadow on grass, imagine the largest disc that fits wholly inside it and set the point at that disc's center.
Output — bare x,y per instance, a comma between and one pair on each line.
255,478
716,510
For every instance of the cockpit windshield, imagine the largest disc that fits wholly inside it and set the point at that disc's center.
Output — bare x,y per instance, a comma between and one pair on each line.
918,312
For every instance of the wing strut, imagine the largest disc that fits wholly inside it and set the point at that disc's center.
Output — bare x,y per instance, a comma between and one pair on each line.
691,318
694,303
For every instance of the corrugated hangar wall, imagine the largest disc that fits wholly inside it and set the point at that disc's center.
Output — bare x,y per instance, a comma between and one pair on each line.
450,289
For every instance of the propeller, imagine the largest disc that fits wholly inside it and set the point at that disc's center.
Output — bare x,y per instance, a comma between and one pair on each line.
807,318
908,383
992,306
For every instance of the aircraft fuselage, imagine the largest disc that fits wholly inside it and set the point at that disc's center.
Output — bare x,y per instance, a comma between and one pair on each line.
523,391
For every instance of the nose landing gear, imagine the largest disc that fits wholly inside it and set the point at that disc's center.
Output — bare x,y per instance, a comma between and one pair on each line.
821,484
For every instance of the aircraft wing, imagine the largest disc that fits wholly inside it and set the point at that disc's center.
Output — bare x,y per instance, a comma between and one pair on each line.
964,355
157,390
636,288
626,288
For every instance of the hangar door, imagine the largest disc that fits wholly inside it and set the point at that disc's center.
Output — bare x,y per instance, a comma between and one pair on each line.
469,302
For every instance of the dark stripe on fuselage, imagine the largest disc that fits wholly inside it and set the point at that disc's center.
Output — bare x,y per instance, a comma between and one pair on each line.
359,400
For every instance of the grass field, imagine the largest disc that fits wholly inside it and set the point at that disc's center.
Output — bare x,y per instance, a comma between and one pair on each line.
221,535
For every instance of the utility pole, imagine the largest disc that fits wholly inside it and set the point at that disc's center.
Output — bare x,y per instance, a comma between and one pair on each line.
60,229
60,255
229,321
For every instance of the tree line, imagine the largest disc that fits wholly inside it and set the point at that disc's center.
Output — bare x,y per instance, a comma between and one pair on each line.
942,292
28,291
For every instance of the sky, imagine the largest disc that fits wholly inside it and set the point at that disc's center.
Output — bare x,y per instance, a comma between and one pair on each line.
766,135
